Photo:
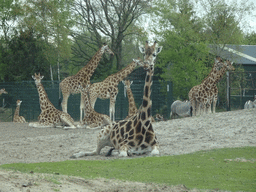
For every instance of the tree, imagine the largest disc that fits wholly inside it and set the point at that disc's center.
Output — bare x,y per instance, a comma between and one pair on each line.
111,22
51,19
24,57
250,39
184,56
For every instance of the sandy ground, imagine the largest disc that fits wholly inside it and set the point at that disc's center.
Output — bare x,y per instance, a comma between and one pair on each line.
22,144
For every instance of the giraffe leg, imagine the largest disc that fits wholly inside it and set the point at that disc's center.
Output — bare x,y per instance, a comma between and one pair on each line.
155,150
103,141
64,103
215,98
67,119
82,107
40,125
112,108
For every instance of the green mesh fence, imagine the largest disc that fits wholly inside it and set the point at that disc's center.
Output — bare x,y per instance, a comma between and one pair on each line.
242,88
30,109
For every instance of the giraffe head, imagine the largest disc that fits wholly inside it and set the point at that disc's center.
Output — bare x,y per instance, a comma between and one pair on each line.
105,48
218,64
18,102
150,52
37,78
3,91
229,65
127,83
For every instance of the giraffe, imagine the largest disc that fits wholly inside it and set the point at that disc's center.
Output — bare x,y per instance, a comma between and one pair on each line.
2,91
49,116
70,84
132,105
135,134
213,96
108,88
16,117
199,94
92,119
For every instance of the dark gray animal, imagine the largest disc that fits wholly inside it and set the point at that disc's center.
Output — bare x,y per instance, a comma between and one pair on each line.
181,109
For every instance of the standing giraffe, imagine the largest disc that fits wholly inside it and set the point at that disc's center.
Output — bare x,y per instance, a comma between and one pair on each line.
2,91
70,84
16,117
108,88
199,95
49,116
213,96
92,119
135,134
132,105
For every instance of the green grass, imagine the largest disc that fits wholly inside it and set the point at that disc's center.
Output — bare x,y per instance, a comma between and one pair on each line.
215,169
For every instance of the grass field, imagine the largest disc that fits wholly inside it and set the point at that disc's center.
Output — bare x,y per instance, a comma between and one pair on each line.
232,169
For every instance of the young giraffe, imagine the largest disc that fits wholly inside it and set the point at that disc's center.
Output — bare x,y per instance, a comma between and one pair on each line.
16,117
136,134
70,84
213,96
92,119
199,95
108,88
2,91
132,105
49,116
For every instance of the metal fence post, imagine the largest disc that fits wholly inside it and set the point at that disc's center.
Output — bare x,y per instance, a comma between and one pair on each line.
228,91
169,96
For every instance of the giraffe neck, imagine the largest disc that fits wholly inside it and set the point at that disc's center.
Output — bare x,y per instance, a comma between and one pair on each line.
43,97
120,75
86,72
145,112
132,104
211,79
17,111
88,107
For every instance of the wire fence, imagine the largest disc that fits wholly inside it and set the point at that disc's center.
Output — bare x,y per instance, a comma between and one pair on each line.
241,87
30,109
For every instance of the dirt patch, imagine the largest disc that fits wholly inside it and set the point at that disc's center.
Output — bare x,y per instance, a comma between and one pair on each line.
22,144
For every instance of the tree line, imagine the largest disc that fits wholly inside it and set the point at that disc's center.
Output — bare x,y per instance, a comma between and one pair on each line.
57,38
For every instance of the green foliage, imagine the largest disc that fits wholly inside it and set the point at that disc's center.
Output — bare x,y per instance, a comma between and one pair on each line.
184,56
222,25
250,39
229,169
25,56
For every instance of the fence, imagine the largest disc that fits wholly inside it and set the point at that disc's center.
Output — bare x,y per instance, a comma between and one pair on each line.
241,87
30,109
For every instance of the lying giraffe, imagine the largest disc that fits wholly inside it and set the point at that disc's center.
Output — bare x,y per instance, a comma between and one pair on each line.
199,95
49,116
92,119
16,117
135,134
